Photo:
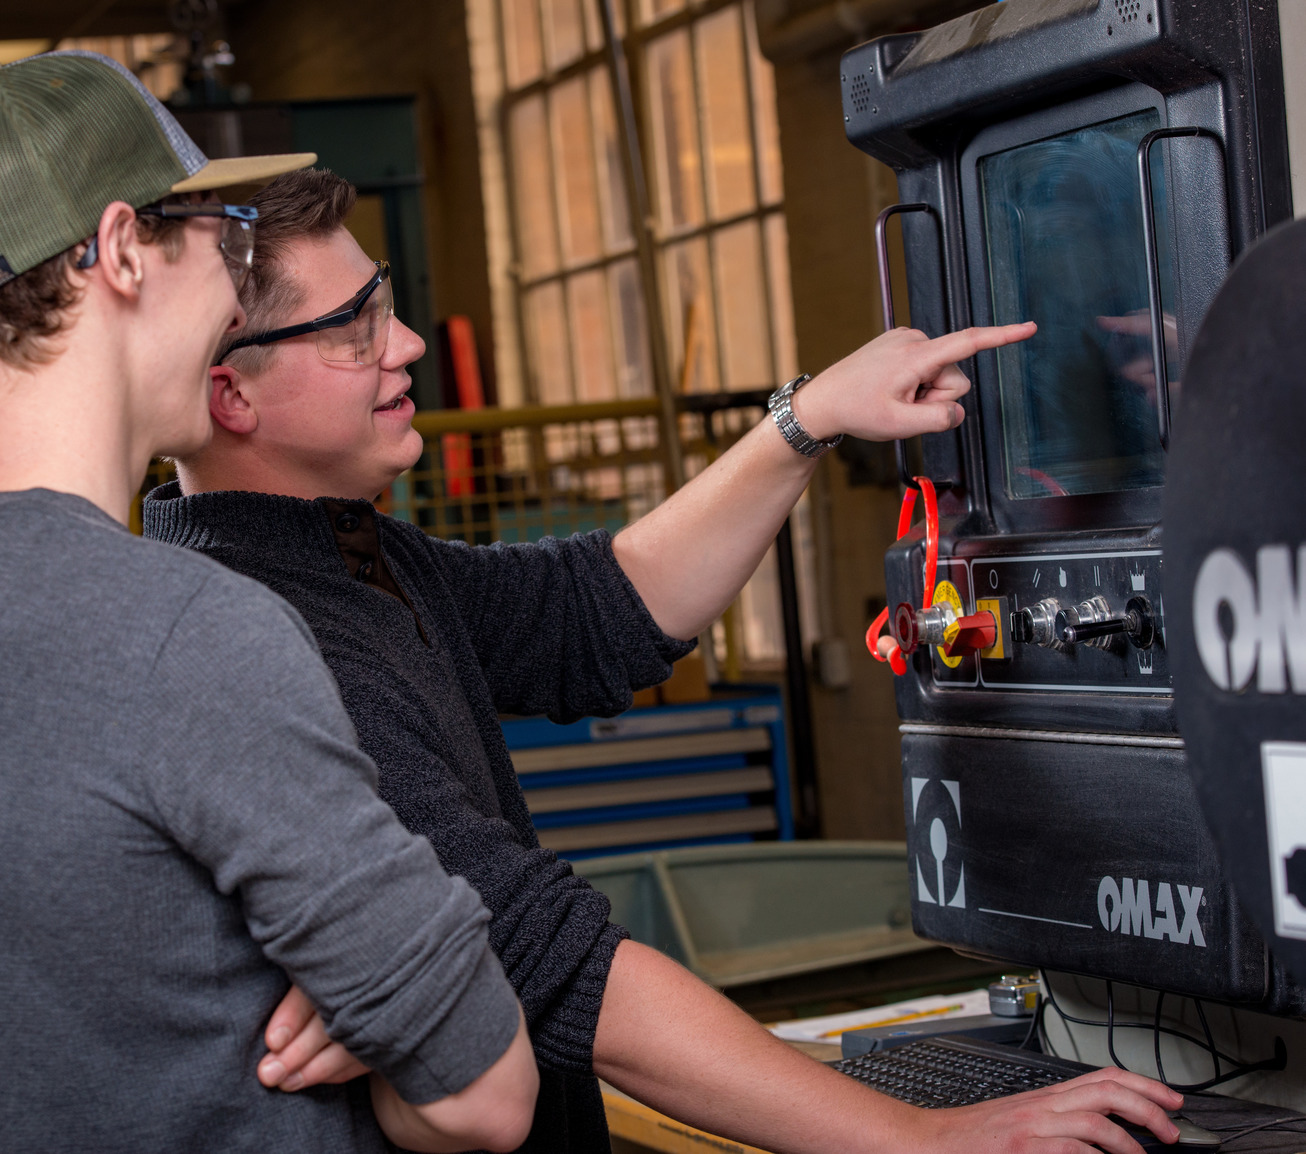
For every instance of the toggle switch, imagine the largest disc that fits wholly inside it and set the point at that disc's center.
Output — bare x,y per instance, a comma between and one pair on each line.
967,635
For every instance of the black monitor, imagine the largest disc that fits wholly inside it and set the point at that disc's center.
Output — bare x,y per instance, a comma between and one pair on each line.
1094,165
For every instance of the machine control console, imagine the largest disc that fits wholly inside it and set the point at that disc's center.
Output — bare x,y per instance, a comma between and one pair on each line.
1056,621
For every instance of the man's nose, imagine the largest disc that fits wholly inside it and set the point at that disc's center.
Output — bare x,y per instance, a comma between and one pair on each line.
404,346
238,319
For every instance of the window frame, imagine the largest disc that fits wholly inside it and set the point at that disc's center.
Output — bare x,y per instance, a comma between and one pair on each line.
635,35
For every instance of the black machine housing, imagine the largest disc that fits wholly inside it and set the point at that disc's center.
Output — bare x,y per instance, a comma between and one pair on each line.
1050,817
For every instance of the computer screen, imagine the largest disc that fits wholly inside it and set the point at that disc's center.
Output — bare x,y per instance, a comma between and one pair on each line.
1062,221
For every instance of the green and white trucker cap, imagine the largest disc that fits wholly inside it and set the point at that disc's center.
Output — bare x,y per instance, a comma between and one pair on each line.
79,131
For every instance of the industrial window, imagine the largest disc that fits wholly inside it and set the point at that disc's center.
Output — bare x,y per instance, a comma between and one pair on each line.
574,304
705,106
155,59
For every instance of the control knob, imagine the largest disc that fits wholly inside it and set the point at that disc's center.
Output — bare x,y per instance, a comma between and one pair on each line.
1091,623
1036,625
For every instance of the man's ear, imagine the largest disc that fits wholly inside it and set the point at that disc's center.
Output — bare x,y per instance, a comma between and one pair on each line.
120,260
229,404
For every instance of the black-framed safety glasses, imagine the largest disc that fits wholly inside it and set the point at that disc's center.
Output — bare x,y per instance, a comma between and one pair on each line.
357,331
237,243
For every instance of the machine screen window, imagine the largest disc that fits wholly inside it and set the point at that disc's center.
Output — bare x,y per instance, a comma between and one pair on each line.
1064,226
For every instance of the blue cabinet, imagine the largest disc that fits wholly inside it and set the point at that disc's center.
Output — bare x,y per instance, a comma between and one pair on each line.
712,772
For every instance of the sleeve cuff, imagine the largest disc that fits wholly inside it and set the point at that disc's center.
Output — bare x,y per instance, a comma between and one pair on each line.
670,649
563,1037
472,1036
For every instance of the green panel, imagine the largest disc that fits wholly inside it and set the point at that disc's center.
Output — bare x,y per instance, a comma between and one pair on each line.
767,909
637,904
368,142
737,905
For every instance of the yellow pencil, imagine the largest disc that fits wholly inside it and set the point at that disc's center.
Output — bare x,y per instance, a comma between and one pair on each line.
915,1015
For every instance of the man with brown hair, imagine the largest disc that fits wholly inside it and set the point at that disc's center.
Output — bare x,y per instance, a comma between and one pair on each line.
187,819
427,639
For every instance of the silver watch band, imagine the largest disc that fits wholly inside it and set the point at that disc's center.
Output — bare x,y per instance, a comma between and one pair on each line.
781,405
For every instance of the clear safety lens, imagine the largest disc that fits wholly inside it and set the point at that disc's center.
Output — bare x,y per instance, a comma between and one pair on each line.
363,340
238,248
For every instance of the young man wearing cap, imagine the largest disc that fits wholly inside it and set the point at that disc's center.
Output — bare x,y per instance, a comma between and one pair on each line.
427,639
187,819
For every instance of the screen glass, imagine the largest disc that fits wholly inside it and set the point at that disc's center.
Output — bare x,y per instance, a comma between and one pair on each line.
1064,231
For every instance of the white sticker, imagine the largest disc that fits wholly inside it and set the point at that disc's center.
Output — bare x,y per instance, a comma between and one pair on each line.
1284,767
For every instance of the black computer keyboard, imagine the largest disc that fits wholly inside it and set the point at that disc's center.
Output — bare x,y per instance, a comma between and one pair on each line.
951,1071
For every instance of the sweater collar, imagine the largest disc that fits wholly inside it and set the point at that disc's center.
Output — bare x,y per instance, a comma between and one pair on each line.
275,526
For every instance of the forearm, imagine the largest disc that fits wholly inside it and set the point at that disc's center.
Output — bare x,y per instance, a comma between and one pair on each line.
670,1041
494,1112
691,555
403,1124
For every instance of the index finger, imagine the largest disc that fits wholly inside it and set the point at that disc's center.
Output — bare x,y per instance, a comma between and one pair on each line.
959,346
1148,1087
1105,1096
288,1019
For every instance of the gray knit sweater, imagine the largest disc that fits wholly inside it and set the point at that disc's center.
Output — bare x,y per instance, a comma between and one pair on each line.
464,633
186,820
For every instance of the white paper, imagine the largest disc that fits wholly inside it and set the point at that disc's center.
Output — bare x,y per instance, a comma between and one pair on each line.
973,1003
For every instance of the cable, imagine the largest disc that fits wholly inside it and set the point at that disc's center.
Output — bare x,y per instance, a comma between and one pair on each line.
1210,1038
931,502
1156,1038
1233,1133
1036,1023
896,659
1278,1062
1126,1025
1111,1027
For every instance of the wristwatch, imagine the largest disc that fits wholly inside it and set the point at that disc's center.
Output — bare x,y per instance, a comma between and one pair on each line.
781,405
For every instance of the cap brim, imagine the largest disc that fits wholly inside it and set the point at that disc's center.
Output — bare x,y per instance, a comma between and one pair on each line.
243,170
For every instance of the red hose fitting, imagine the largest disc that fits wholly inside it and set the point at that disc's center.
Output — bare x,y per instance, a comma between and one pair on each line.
897,658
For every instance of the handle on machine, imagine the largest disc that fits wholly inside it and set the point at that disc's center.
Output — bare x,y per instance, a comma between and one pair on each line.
897,660
1160,368
886,295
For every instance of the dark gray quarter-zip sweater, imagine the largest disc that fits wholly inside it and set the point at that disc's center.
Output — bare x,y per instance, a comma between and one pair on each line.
429,641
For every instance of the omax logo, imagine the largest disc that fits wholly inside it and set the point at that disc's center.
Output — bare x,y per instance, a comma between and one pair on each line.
1127,906
1245,627
936,816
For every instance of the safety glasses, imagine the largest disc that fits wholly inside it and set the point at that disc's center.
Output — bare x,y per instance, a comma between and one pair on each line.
237,243
356,332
